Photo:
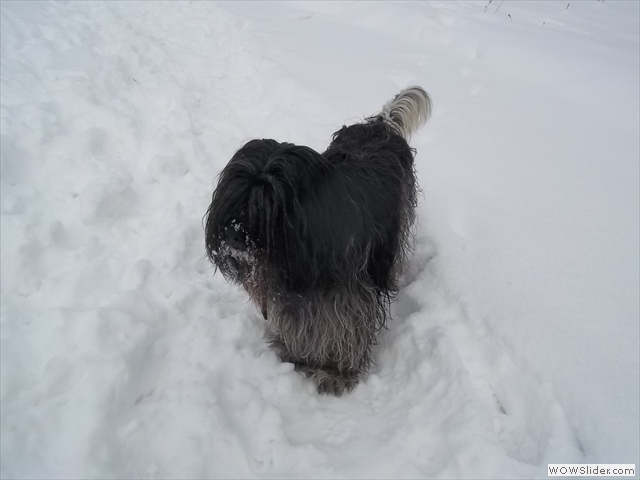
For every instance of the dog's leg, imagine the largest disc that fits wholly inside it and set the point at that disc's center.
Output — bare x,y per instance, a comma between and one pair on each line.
327,337
280,348
331,380
332,375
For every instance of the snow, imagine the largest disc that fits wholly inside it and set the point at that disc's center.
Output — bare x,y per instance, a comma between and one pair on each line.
514,341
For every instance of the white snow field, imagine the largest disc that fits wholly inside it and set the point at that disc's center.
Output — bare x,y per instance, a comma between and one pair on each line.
514,342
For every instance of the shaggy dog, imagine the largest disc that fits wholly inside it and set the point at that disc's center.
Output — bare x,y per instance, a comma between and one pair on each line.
318,240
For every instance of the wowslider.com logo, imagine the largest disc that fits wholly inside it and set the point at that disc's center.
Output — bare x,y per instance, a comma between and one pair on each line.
591,470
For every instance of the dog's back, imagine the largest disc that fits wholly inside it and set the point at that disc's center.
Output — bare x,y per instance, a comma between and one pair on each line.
366,204
358,213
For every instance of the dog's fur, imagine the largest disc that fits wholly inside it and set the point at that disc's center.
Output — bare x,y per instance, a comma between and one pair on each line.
318,240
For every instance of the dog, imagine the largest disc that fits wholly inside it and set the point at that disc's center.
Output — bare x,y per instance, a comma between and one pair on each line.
318,240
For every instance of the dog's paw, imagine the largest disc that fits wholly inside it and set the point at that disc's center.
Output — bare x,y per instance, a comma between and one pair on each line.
329,380
334,383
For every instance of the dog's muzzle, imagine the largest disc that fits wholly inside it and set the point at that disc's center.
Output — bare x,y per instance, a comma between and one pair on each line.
236,238
235,255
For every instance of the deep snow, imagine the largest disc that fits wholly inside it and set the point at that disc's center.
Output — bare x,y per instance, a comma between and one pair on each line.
515,338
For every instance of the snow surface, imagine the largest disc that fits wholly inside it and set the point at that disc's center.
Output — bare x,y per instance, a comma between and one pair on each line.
515,338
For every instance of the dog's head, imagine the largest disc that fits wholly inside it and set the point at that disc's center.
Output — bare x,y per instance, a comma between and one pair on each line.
255,226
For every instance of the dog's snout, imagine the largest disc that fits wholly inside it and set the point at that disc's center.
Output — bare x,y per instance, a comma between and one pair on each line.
236,239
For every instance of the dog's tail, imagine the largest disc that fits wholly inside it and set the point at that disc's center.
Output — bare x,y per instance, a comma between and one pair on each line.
408,111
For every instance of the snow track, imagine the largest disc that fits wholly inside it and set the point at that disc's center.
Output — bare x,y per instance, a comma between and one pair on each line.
124,356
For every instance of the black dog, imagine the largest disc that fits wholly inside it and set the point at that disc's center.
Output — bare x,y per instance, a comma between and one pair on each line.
318,240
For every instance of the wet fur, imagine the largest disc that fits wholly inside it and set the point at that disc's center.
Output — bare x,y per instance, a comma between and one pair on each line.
318,240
